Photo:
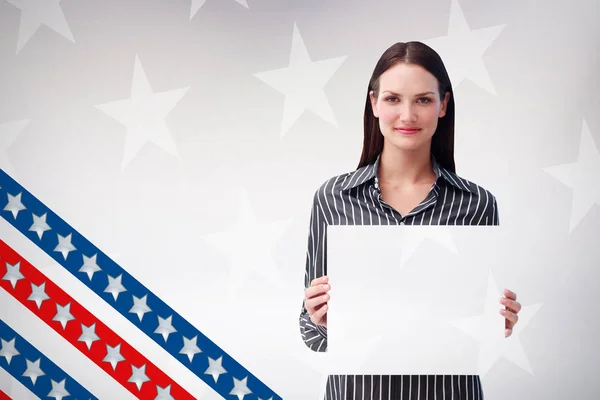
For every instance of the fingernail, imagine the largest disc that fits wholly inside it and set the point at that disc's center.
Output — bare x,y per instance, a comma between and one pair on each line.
503,312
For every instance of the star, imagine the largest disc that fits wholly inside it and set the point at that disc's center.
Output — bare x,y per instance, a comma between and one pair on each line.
580,176
90,266
164,393
113,355
250,245
9,132
35,14
144,115
8,350
140,307
240,388
215,368
88,335
165,327
197,5
302,84
33,370
63,314
13,273
414,235
64,245
58,390
463,49
138,376
39,225
488,330
14,205
38,294
115,286
190,348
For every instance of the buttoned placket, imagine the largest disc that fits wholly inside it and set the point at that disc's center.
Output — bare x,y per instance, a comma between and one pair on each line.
431,199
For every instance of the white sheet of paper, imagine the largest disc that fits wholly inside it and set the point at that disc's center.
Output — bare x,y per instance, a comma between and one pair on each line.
411,300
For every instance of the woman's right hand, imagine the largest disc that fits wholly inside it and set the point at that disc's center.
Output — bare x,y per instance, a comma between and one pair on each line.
315,300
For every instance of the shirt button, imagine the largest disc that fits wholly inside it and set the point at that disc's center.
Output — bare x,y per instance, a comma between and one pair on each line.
402,223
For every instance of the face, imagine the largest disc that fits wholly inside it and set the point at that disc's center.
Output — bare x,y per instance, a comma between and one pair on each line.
408,106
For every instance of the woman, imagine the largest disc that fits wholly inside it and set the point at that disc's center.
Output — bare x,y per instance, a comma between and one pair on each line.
406,175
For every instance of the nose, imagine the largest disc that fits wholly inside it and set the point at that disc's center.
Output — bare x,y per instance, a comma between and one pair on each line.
407,112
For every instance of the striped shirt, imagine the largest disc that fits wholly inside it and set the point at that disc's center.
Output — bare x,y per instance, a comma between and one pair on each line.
355,199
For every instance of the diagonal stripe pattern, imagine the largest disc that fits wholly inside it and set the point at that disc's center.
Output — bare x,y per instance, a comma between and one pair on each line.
82,329
127,295
34,370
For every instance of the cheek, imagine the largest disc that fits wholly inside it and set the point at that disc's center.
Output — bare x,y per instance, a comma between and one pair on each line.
387,114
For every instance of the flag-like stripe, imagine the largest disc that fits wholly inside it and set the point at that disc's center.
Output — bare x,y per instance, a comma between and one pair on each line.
34,370
71,250
69,319
4,396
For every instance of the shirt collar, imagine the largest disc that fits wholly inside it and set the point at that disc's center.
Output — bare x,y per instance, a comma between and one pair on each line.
368,172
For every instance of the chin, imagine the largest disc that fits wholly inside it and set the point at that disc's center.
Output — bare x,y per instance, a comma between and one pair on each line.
409,143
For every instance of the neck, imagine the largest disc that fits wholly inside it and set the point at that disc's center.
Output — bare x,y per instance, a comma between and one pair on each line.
400,167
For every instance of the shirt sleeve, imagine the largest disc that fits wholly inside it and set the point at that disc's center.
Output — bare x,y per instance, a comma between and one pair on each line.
314,336
491,212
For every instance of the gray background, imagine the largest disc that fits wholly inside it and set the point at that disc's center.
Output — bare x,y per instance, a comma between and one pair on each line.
527,91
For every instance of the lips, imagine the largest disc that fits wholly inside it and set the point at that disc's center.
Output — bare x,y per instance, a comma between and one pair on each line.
407,131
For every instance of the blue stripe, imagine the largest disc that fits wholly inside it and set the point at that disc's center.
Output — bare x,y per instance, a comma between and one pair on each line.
99,282
18,366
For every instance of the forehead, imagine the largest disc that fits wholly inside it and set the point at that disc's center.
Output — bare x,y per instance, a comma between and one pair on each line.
407,78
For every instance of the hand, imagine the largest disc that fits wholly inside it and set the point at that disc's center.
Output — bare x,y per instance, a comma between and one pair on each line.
316,298
510,312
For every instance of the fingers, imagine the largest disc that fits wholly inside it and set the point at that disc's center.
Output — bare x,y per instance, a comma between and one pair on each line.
317,290
511,317
320,280
510,295
313,304
511,305
319,315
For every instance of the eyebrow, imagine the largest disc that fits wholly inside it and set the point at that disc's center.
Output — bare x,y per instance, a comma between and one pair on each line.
396,94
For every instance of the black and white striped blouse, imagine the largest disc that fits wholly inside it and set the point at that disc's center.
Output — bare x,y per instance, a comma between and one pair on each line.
355,199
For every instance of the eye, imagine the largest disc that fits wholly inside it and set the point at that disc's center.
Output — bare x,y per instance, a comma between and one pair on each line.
391,98
426,100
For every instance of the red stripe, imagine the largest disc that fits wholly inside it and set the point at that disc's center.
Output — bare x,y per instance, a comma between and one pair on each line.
73,330
4,396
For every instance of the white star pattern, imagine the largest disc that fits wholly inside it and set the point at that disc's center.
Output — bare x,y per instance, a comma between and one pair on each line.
33,370
38,294
163,393
494,345
197,5
88,335
302,83
165,327
90,266
140,307
13,274
250,245
9,132
63,314
462,49
240,388
14,205
64,245
414,235
138,376
215,368
39,225
190,347
58,390
8,350
581,177
36,13
115,286
144,115
113,355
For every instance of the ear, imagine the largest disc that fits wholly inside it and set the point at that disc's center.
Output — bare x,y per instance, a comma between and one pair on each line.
444,104
374,104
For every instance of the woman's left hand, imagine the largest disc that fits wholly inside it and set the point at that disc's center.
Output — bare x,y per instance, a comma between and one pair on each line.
512,308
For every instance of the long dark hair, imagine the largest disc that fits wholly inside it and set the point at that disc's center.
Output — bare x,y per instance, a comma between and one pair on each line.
442,143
